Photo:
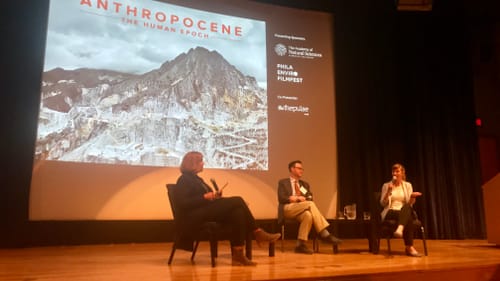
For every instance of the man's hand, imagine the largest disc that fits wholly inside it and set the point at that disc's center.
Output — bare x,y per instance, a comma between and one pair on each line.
296,199
209,196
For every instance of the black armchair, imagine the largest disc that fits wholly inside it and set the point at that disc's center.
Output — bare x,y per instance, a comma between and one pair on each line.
211,231
386,228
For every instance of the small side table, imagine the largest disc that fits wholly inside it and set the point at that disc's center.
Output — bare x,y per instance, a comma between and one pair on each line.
369,229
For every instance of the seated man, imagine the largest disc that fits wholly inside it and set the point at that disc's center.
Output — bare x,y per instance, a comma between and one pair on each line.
295,201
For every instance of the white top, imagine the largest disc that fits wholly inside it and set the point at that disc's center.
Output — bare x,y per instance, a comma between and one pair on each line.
406,189
397,198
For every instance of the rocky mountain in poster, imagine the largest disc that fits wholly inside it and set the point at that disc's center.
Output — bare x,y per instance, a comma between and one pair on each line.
197,101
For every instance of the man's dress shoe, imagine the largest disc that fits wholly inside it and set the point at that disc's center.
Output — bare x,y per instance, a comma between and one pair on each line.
302,249
331,239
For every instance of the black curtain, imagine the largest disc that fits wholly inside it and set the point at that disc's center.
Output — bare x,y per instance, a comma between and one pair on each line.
413,104
22,30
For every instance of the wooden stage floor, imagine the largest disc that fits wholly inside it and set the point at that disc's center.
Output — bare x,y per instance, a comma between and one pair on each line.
448,260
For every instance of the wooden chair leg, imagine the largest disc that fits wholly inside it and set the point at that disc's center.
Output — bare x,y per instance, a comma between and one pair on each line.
194,250
272,246
172,252
315,245
335,248
377,246
248,247
282,237
314,236
389,252
213,251
423,240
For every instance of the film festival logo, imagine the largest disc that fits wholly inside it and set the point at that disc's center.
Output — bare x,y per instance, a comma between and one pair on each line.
296,52
280,49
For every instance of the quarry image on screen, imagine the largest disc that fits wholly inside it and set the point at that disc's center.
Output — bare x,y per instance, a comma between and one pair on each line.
114,91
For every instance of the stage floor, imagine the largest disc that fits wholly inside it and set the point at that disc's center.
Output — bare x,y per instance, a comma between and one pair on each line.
448,260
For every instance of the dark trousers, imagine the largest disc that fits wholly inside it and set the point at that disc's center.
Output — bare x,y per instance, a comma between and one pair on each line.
404,217
232,211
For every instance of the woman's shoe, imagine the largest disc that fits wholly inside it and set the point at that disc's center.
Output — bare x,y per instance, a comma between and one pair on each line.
262,236
398,234
413,253
239,259
399,231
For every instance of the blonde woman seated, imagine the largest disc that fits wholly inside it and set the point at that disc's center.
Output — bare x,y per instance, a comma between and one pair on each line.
397,198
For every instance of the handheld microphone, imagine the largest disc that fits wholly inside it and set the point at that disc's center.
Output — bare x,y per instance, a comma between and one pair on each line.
394,178
216,187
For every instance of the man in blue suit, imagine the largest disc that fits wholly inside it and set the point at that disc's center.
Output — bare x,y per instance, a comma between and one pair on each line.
295,202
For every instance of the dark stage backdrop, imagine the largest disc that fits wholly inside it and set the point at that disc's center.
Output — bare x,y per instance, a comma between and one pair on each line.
411,103
404,94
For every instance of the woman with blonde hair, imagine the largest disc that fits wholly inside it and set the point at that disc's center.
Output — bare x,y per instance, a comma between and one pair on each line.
397,198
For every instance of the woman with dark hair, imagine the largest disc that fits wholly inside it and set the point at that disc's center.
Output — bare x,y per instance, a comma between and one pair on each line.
197,203
397,198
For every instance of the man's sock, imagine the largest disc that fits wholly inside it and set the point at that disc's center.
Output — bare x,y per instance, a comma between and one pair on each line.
324,233
300,242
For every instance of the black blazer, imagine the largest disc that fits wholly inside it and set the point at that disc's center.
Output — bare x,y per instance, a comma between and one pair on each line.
284,192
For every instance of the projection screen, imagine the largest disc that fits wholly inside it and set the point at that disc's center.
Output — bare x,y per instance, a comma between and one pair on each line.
130,86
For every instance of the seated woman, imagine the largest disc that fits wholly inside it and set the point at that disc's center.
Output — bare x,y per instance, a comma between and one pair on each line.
397,198
198,203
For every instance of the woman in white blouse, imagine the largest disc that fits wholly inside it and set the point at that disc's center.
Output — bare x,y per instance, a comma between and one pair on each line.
397,198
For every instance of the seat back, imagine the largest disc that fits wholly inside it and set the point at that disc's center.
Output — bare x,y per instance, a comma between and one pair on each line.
170,192
281,215
208,231
376,208
205,229
171,199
